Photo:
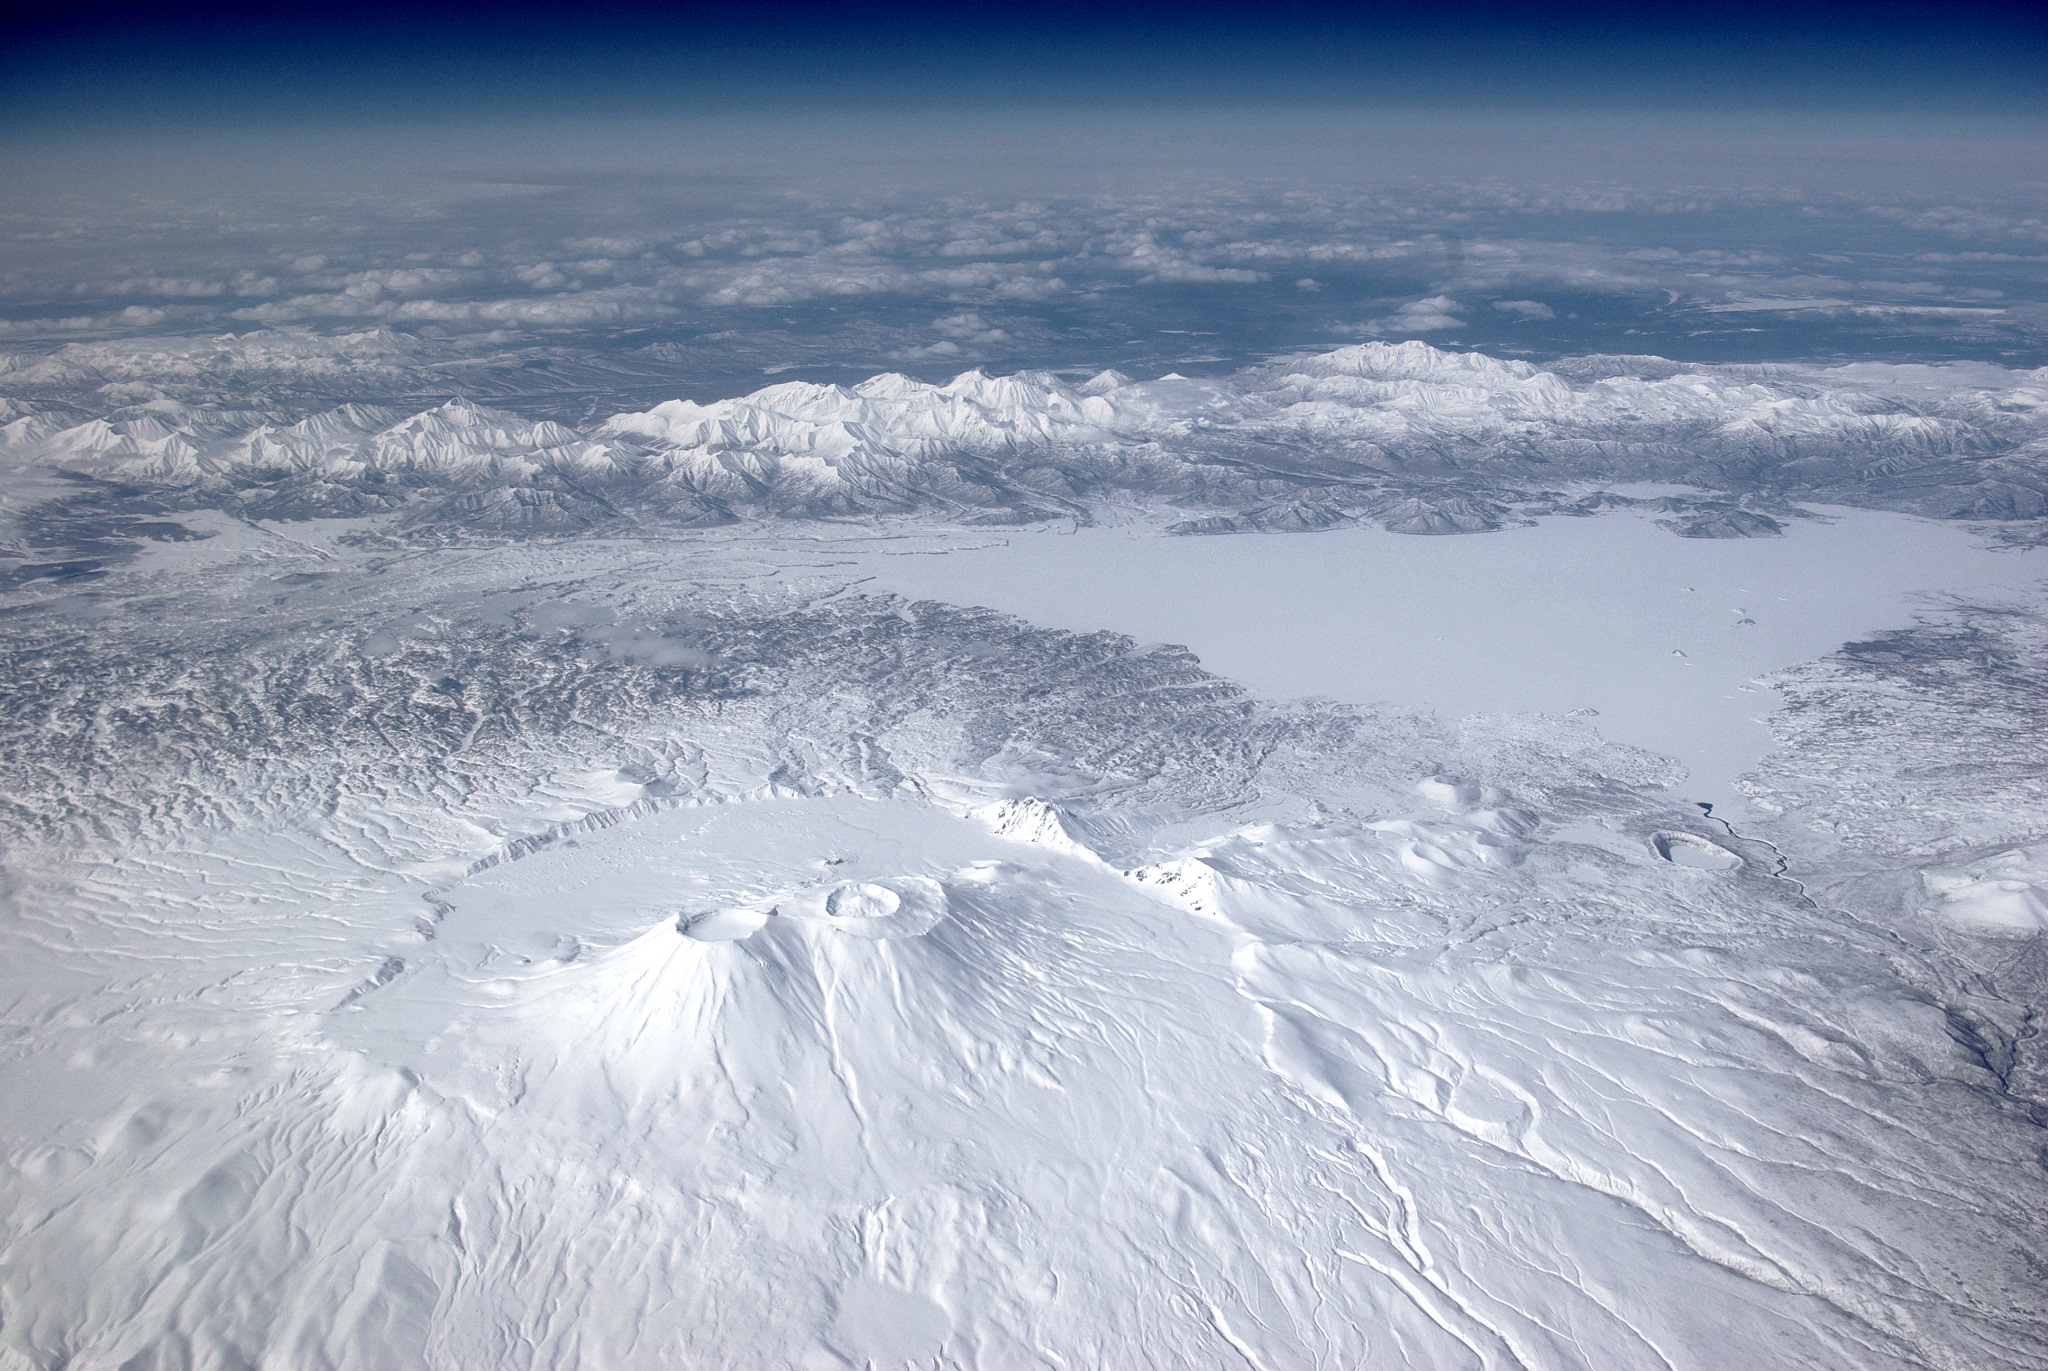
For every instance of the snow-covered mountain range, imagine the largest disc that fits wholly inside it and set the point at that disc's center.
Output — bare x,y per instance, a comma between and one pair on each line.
1407,435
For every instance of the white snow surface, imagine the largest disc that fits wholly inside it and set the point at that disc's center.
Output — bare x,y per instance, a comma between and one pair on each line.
1663,638
930,1094
2006,892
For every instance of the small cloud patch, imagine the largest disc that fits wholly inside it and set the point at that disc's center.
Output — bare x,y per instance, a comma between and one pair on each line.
1430,315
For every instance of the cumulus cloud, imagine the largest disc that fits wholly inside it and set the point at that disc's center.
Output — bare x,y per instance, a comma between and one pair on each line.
244,283
1964,221
1183,273
166,286
1842,308
1431,315
962,336
133,317
553,311
943,350
1163,262
789,280
478,265
969,327
609,247
403,281
540,276
573,309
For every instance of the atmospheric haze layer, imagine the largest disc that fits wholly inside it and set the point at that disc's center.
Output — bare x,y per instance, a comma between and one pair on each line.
1018,737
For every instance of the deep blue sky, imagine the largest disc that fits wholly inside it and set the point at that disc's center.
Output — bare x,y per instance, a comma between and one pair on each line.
72,63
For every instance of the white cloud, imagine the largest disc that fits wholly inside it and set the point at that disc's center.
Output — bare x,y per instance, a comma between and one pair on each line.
1161,262
1198,273
613,306
1835,307
403,281
969,327
961,335
961,254
945,348
1431,315
540,276
1964,222
135,316
166,286
610,247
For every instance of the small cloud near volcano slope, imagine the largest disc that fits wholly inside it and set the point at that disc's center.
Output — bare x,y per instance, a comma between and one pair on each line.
1366,431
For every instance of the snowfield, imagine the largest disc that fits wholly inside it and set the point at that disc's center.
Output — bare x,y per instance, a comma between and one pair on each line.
519,924
1663,639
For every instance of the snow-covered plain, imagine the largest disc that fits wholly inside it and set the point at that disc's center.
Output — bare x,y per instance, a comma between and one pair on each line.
1664,638
463,935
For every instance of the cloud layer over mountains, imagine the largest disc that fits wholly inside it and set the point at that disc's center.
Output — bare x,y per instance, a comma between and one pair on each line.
747,272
